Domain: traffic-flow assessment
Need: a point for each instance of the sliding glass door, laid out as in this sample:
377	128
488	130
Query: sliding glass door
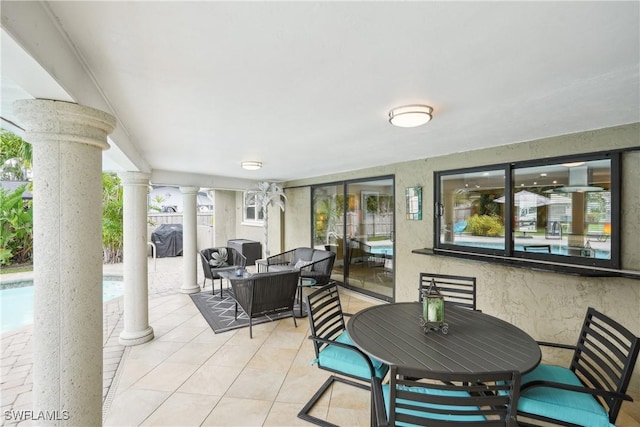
355	219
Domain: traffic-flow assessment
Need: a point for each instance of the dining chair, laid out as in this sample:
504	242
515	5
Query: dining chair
335	352
592	389
421	397
458	290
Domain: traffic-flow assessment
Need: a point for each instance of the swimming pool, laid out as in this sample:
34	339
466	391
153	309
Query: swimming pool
16	300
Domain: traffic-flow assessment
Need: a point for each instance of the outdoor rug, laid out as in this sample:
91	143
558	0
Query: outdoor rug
220	313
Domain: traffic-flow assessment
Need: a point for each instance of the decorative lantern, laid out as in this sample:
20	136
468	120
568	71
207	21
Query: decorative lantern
433	309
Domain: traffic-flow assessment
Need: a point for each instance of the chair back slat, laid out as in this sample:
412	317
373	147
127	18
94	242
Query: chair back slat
422	397
605	356
326	319
458	290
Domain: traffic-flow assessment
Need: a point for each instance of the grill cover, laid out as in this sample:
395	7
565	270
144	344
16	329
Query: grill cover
168	240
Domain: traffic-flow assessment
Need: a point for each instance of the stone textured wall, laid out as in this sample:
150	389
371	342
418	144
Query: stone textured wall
547	305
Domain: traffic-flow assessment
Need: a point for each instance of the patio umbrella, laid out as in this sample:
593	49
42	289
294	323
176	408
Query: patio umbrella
527	198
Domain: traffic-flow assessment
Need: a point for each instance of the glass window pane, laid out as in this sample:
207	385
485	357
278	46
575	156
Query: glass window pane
472	209
563	209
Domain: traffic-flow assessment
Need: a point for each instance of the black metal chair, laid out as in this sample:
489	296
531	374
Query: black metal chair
215	260
266	293
458	290
592	389
421	397
335	352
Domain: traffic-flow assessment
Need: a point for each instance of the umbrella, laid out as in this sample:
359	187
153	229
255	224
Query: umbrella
527	198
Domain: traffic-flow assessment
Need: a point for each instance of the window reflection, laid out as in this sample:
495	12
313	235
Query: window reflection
471	212
564	209
547	210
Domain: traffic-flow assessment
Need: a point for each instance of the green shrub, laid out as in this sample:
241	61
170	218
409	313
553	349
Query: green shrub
485	225
112	228
16	227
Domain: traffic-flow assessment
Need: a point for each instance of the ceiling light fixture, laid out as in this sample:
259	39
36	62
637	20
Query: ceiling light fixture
410	116
251	166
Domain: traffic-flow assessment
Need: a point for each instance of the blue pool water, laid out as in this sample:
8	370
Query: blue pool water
555	249
17	302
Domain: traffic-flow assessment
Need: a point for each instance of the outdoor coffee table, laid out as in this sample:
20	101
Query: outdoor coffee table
299	310
476	342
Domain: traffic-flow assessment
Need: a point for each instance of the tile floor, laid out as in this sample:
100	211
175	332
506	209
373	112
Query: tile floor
188	375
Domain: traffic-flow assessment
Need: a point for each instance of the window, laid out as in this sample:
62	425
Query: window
562	210
251	213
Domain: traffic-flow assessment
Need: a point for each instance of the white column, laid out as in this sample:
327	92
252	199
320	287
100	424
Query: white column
68	140
189	240
136	301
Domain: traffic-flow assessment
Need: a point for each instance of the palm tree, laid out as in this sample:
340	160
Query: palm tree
264	195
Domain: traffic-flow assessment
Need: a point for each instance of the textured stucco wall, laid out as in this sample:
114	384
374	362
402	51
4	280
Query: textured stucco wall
547	305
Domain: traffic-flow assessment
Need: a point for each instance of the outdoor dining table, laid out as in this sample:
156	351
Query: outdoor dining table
476	342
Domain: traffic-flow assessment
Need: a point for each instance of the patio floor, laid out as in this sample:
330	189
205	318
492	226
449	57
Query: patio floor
188	375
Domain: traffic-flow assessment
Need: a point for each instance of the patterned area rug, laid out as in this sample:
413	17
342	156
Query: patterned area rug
220	313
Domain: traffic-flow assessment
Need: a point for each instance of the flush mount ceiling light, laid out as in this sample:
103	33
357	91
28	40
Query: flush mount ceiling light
251	166
410	116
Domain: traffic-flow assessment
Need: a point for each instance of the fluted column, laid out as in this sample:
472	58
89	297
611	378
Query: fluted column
68	140
189	240
136	294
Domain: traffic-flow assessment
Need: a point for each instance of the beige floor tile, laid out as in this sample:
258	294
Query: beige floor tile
133	370
349	417
134	406
275	359
154	351
232	355
257	384
260	334
166	377
183	333
194	353
285	414
231	411
182	409
282	338
301	383
208	336
210	379
349	397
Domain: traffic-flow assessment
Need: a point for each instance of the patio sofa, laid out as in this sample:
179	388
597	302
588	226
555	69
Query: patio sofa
312	263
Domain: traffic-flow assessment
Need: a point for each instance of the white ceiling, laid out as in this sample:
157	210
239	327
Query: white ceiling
305	87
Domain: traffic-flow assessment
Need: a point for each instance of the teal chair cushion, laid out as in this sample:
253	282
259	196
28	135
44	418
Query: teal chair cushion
569	406
458	418
348	361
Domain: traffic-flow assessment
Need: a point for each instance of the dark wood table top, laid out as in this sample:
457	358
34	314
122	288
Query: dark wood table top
476	342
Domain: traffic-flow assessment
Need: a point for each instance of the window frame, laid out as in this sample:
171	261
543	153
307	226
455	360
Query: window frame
255	221
538	260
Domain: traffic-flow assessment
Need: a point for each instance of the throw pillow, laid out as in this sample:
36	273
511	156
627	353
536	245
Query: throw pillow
301	264
219	259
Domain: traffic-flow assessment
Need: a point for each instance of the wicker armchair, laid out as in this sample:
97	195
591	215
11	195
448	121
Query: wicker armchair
266	293
214	260
312	263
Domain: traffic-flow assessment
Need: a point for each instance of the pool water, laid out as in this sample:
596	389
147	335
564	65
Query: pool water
17	303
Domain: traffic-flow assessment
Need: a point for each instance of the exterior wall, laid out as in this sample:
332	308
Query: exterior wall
549	306
297	228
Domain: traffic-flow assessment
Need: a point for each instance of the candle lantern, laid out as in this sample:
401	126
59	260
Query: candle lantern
433	309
